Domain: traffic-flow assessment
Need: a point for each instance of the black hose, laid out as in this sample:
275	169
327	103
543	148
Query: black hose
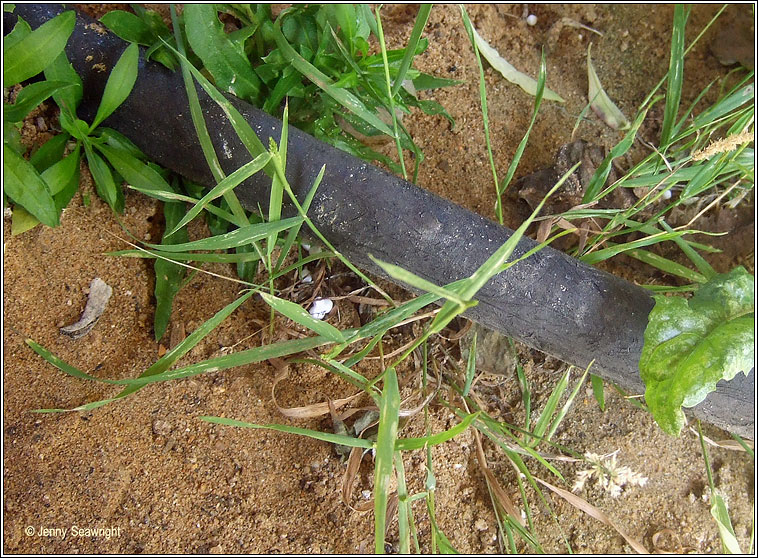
549	301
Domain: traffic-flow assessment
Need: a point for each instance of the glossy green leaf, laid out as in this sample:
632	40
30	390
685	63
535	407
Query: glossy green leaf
22	221
105	185
692	344
135	172
19	31
225	61
49	153
62	178
69	98
32	54
119	84
129	27
24	185
31	96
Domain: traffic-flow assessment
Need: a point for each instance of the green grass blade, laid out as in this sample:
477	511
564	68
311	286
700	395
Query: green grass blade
485	113
32	54
232	181
522	144
243	235
543	422
666	265
410	50
168	276
385	451
299	315
24	185
240	217
315	434
600	255
404	513
435	439
470	367
119	84
598	390
703	266
567	405
289	240
601	174
409	278
390	96
159	367
675	74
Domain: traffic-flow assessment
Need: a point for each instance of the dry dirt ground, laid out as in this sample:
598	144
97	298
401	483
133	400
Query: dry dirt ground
169	483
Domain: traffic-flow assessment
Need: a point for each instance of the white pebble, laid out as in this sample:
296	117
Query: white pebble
666	195
320	308
531	20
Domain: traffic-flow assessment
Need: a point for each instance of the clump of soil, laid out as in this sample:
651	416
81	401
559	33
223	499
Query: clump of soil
165	482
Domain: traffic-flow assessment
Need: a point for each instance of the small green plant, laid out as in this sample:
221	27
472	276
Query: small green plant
692	344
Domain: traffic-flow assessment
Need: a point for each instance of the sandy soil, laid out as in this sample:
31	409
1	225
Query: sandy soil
169	483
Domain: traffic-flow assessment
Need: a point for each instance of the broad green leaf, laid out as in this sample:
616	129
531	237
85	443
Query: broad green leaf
226	62
37	50
24	185
19	31
342	96
69	98
22	221
62	178
135	172
49	153
105	186
299	315
119	84
129	27
31	96
598	390
692	344
168	275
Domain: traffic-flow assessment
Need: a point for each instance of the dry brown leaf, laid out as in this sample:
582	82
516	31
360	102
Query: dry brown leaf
589	509
501	496
307	411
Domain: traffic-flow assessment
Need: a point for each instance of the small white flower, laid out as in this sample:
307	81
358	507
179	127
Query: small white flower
611	476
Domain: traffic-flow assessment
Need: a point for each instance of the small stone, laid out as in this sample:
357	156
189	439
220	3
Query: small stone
161	427
531	20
